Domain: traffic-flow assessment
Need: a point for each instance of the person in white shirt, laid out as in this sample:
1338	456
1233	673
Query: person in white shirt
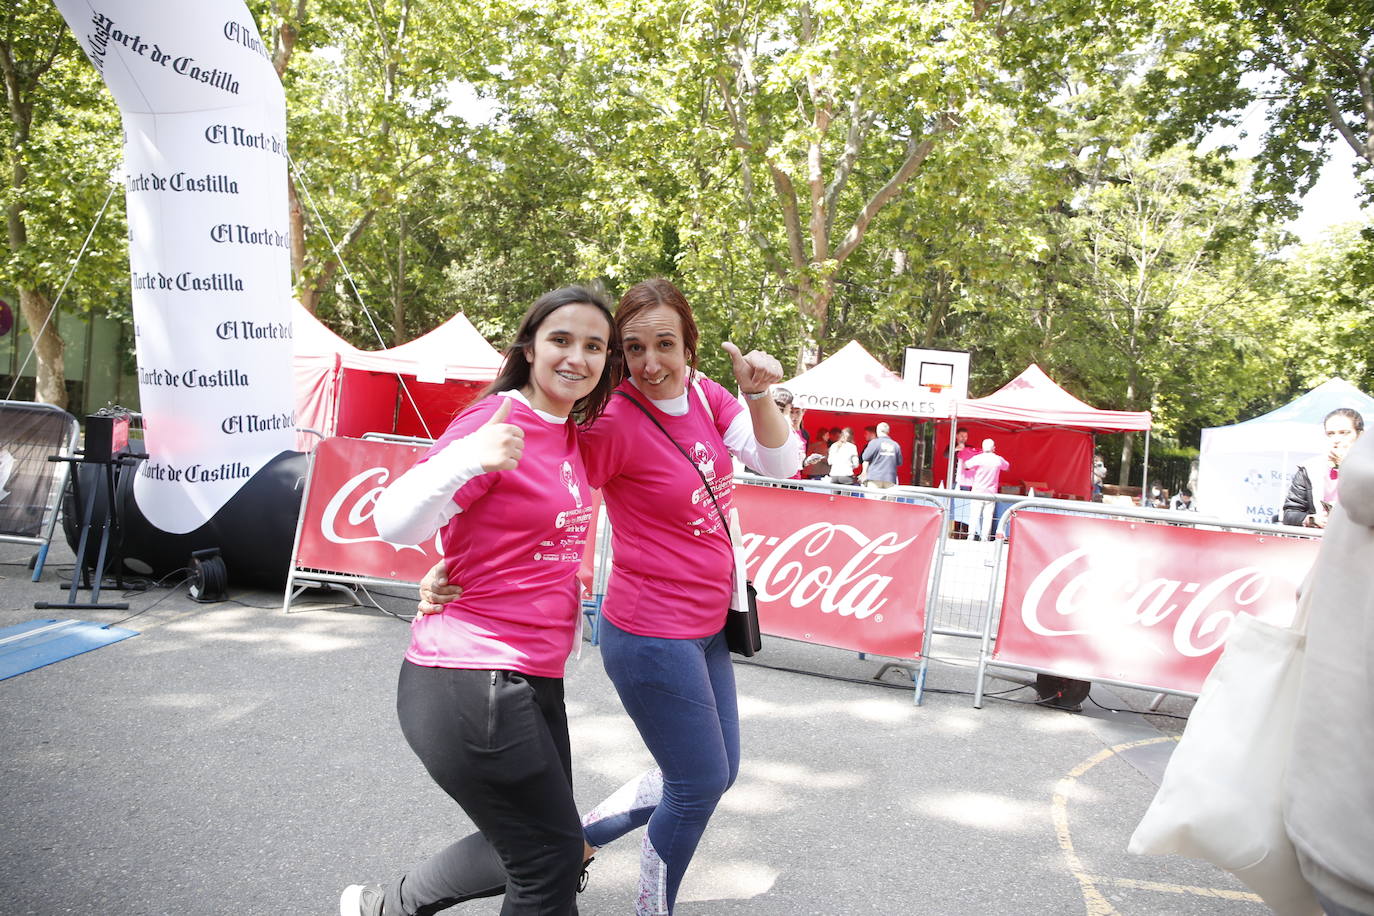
844	459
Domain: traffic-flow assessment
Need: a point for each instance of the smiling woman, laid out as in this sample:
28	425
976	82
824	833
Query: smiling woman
480	697
567	358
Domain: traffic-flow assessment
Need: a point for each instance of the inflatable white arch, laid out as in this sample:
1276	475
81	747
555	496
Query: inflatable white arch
209	245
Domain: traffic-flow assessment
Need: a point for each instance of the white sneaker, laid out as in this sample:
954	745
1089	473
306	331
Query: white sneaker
361	900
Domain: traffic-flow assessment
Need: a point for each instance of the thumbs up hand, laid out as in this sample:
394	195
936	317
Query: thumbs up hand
755	371
499	444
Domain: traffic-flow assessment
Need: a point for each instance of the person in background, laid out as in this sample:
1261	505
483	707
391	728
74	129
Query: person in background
988	467
1099	476
1183	501
882	457
816	465
1328	795
783	399
1156	499
963	480
844	459
1313	490
870	433
480	694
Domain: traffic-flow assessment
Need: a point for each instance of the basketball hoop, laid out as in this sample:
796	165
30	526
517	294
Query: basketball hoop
933	388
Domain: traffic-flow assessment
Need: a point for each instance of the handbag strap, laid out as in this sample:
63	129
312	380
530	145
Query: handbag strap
725	524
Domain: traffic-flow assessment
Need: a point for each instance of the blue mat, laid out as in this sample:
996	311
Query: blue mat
26	646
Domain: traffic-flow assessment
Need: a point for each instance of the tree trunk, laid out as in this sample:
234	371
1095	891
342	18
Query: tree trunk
1128	439
398	303
48	348
296	218
33	305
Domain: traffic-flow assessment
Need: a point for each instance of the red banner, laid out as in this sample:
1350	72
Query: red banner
1147	604
337	530
839	571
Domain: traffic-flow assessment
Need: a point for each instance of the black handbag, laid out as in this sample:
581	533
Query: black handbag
742	633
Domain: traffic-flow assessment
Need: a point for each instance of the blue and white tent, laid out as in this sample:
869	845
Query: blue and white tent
1244	470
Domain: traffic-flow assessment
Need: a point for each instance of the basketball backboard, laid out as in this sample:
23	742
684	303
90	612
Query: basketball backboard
942	372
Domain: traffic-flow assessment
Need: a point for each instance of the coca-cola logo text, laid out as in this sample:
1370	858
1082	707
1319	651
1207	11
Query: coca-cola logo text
853	589
357	502
1069	598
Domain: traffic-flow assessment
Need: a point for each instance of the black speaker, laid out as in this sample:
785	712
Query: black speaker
107	434
1062	692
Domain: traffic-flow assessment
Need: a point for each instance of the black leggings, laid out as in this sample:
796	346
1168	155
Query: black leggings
497	742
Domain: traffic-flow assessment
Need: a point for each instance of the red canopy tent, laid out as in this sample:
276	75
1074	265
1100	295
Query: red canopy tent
1042	430
344	391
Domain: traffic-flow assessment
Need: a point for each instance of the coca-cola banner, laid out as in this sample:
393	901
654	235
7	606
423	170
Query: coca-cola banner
1106	599
337	531
839	571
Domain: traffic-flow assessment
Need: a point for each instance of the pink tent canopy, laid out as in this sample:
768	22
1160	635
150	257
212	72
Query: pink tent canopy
1043	431
344	391
1032	399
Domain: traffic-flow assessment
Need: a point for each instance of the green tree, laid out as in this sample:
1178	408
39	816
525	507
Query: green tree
1309	62
372	133
1167	242
1328	312
61	146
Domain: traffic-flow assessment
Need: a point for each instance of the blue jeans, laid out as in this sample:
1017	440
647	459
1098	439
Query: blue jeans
680	693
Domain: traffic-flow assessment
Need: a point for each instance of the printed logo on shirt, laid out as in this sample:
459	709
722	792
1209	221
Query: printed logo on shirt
569	481
704	457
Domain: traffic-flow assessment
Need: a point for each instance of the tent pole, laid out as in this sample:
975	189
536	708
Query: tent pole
1145	471
950	482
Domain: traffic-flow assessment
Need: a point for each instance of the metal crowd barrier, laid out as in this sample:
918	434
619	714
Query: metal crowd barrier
31	485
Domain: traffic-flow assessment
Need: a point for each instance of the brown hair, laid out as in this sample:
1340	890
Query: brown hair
515	369
650	294
1356	421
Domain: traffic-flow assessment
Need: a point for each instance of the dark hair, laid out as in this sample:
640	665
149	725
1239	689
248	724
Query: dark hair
650	294
1350	414
515	369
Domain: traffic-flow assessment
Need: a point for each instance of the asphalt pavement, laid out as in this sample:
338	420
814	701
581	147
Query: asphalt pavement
235	759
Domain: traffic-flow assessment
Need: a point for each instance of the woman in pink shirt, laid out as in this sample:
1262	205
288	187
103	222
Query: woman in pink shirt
480	696
661	453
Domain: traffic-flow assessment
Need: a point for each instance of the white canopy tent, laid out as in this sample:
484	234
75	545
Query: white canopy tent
1244	470
852	381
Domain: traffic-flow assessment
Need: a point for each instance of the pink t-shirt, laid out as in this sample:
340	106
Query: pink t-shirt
987	471
965	472
673	564
515	549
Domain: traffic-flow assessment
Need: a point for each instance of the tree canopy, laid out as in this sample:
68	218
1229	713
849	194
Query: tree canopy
1022	181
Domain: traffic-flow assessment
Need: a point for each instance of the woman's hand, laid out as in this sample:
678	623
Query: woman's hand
497	444
754	372
435	591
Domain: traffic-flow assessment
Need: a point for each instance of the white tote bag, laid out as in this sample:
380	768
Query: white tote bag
1221	798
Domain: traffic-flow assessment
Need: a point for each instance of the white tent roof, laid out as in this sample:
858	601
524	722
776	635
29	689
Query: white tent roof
453	350
852	381
1296	427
